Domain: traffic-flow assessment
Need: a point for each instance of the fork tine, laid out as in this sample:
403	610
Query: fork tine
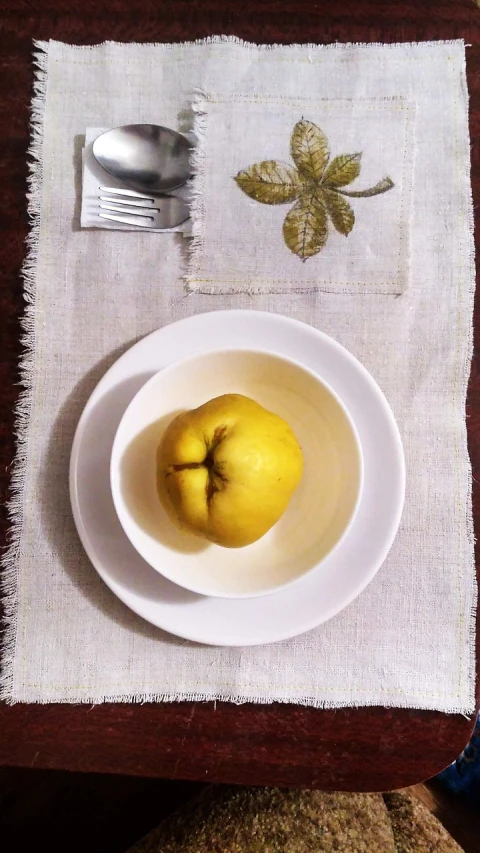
129	193
132	202
125	208
169	212
128	220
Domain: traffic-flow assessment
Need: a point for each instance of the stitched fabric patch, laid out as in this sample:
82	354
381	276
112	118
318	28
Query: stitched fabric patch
297	194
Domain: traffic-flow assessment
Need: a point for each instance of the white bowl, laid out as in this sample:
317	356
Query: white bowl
319	514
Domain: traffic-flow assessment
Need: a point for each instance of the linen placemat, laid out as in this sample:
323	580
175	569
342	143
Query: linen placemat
408	640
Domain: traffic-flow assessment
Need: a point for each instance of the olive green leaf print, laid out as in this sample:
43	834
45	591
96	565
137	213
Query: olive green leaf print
309	149
271	182
305	229
340	212
314	184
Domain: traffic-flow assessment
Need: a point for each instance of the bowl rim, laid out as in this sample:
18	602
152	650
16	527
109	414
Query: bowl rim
120	506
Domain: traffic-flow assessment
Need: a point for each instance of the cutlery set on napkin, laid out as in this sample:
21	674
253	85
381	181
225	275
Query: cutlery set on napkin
130	175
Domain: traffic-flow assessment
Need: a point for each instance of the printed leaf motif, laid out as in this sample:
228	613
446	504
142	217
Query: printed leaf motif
270	182
343	170
315	186
305	229
382	187
309	149
340	212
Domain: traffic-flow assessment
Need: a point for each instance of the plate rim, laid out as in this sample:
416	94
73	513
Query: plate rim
390	534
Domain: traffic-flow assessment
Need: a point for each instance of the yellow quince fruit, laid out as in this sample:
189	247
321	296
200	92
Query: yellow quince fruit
227	470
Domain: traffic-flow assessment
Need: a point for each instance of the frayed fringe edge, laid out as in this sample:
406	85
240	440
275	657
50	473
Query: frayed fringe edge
447	707
470	272
197	200
222	39
15	507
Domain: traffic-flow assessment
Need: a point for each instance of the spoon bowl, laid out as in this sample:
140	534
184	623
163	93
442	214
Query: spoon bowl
146	157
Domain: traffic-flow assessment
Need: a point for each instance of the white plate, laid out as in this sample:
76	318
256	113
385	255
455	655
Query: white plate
313	599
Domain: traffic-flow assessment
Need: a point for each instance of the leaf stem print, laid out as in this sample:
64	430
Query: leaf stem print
382	187
314	184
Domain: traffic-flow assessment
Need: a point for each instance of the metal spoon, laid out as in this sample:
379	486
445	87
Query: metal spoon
146	157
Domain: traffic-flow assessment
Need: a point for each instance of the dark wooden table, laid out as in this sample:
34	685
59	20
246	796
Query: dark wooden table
365	749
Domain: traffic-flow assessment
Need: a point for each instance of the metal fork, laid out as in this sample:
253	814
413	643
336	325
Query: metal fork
143	211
